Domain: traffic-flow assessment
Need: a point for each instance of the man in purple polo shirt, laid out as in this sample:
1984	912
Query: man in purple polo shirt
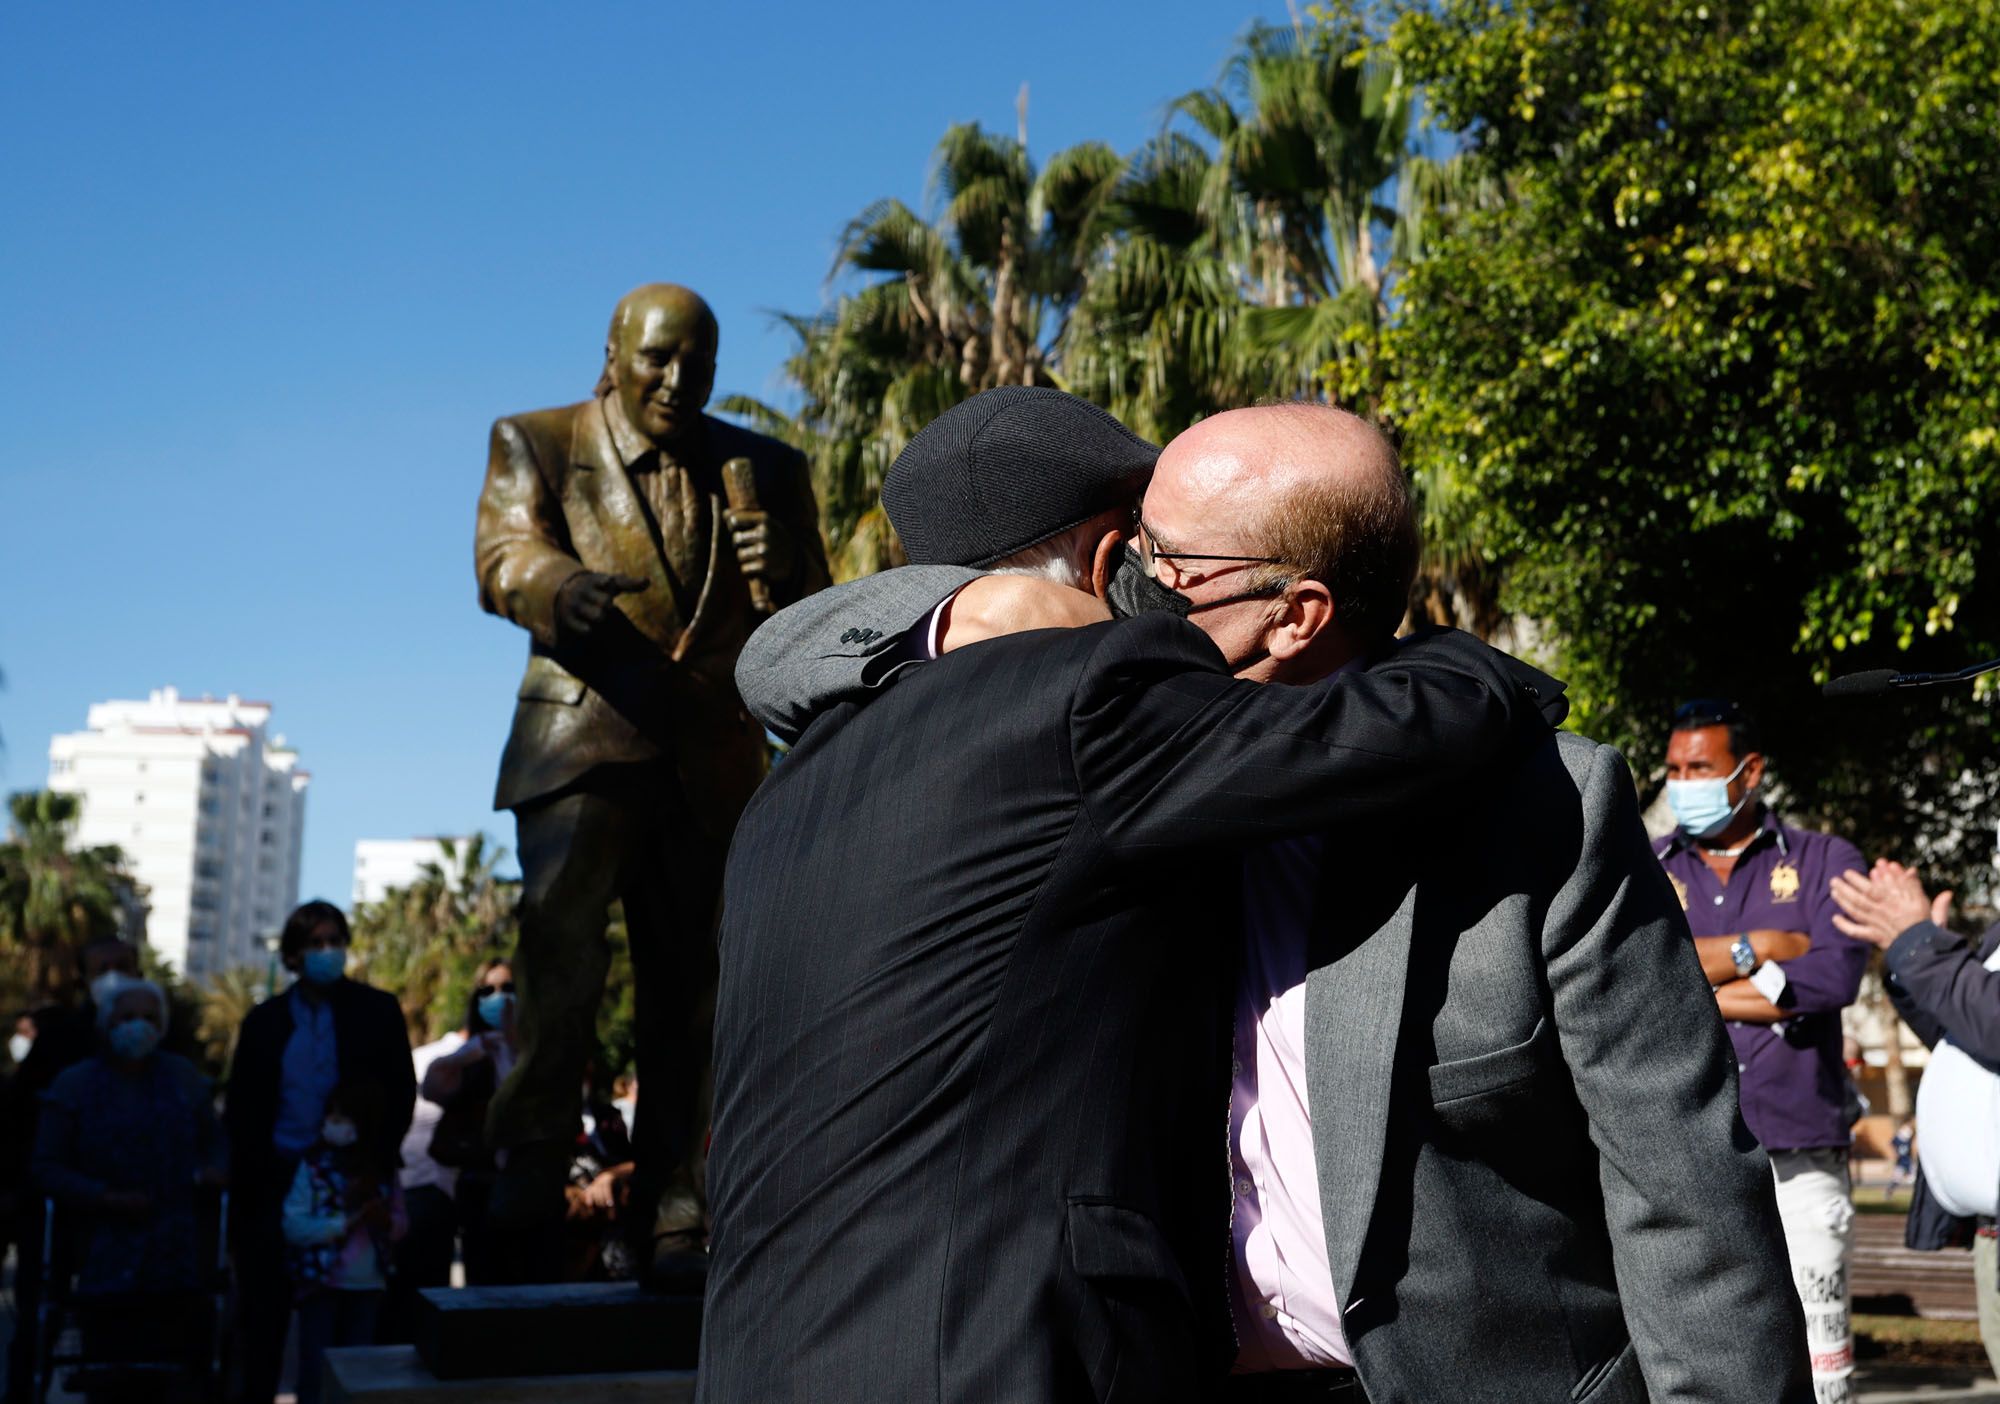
1758	898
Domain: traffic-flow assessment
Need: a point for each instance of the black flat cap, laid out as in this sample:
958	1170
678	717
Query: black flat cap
1009	468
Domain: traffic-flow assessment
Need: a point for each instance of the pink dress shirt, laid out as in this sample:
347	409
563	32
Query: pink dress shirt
1287	1314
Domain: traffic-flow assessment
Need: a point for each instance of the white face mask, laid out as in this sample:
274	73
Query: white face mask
338	1131
18	1046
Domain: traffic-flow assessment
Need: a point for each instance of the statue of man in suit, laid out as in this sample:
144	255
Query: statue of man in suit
604	532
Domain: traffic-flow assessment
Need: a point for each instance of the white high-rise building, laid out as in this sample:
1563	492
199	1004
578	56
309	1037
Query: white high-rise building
209	807
380	864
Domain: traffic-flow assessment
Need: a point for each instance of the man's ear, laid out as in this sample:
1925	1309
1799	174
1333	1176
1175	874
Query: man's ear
1308	614
1753	770
1104	563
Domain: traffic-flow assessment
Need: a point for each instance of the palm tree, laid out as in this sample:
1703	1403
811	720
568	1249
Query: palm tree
1311	130
423	941
1153	336
945	308
224	1002
54	898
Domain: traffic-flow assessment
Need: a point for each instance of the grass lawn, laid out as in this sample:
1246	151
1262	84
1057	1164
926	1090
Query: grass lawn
1912	1340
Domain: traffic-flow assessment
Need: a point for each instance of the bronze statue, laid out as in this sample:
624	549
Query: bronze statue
604	531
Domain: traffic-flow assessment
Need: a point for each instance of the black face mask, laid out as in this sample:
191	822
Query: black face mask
1132	591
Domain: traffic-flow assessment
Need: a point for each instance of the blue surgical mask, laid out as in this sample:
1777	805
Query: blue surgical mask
325	965
19	1046
1702	807
493	1009
135	1038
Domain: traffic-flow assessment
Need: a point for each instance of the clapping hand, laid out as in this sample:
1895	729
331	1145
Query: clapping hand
1885	904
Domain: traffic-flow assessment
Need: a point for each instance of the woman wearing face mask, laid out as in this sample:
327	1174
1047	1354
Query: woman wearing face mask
447	1170
124	1140
342	1217
462	1084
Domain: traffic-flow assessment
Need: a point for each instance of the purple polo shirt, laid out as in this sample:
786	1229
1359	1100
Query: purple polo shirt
1792	1079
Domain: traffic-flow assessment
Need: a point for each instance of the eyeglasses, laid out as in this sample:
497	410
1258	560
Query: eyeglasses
1706	711
504	987
1151	555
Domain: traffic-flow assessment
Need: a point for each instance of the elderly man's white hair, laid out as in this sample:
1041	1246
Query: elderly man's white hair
126	985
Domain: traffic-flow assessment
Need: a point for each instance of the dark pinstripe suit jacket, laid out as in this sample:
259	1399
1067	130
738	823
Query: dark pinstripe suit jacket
975	935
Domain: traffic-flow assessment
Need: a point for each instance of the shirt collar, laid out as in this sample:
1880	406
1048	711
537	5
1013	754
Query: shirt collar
632	446
635	450
1767	824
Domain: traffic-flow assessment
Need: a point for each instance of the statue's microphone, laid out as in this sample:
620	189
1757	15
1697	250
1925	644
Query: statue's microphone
1885	679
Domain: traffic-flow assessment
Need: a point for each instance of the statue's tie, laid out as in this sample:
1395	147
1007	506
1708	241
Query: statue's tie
679	512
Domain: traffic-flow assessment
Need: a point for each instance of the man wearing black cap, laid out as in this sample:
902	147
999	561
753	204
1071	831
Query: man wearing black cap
967	1035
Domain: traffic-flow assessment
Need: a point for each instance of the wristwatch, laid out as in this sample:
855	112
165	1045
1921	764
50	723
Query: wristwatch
1741	952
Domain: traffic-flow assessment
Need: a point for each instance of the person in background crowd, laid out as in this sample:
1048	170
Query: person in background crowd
1903	1145
1757	896
22	1041
457	1075
1948	992
125	1139
342	1216
600	1239
292	1051
64	1036
625	1096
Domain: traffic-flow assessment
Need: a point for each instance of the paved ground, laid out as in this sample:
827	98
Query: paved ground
1879	1384
1905	1384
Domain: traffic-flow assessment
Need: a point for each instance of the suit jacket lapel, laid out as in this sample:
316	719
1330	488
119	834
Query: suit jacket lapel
614	519
1354	1015
702	611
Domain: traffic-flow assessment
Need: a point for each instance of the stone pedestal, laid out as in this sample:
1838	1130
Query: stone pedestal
395	1375
585	1328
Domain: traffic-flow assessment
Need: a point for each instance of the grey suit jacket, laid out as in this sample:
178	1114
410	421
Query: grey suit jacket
1535	1181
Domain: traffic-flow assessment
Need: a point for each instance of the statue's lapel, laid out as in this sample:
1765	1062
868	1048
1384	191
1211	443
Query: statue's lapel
704	605
610	532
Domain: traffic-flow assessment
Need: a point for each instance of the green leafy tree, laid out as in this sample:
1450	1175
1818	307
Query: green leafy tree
424	941
221	1006
1721	372
54	897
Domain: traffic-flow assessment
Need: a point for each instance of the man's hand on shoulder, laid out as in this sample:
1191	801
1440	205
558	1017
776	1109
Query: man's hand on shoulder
996	605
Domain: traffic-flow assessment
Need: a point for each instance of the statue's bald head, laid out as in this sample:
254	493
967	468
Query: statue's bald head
1318	489
659	358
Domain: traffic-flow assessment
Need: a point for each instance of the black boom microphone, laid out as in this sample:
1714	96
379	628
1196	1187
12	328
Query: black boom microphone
1884	679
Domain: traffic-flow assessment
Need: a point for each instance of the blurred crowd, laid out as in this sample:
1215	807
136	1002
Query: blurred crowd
168	1238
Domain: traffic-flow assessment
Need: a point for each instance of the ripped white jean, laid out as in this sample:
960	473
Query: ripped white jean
1818	1214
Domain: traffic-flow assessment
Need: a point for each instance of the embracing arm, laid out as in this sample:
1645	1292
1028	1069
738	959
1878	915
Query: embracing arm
1171	751
1702	1274
836	645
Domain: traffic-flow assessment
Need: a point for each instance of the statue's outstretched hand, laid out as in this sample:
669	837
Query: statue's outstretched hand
585	599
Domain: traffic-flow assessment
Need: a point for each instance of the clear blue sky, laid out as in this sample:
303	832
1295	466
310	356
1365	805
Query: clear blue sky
267	273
